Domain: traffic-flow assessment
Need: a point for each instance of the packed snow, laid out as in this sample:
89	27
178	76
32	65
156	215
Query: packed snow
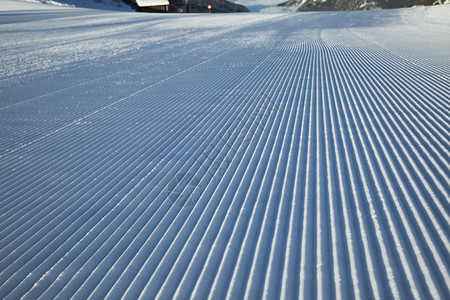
92	4
300	155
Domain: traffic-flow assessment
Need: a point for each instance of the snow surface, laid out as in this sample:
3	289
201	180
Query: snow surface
92	4
224	156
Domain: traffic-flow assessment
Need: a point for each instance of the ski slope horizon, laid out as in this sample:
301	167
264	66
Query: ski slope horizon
287	155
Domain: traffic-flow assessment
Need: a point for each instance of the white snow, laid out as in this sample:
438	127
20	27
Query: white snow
91	4
300	155
144	3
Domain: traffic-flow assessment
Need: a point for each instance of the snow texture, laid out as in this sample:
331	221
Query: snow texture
92	4
224	156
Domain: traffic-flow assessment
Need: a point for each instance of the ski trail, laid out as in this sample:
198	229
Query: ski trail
286	156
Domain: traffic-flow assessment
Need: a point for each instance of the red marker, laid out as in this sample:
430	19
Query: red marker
209	8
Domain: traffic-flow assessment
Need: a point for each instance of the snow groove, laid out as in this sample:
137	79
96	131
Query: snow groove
274	158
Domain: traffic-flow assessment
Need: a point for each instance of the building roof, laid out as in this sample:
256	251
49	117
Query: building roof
146	3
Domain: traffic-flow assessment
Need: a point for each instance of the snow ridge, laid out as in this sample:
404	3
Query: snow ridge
283	156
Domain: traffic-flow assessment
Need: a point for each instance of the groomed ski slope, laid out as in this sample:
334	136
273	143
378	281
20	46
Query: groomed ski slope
224	156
